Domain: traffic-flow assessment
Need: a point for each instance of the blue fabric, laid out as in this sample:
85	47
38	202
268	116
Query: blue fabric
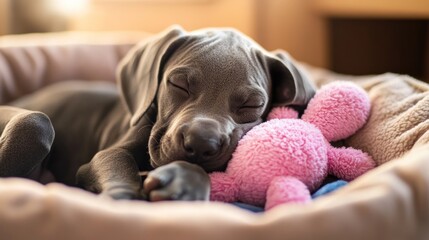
325	189
329	188
248	207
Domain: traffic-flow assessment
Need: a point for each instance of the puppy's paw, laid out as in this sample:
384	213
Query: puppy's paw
177	181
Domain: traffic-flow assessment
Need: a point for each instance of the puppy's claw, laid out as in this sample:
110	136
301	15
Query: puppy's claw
150	184
156	196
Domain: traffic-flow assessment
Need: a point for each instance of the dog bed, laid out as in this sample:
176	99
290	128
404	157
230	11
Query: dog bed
389	202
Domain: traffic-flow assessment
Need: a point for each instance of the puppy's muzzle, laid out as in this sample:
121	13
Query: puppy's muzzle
202	140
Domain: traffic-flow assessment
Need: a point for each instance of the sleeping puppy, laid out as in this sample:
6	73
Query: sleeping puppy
184	101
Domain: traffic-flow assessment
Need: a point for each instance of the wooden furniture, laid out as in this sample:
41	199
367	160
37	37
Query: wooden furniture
371	37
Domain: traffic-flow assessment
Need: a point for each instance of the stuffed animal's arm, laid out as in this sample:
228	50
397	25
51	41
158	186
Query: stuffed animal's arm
223	187
348	163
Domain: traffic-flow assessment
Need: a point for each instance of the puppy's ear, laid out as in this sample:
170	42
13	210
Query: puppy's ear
139	72
290	85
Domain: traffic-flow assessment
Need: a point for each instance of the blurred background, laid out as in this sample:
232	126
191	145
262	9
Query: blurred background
347	36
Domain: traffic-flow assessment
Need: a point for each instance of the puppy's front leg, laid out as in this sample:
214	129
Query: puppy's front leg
112	172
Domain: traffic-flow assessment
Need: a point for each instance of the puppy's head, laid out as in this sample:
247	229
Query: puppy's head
209	87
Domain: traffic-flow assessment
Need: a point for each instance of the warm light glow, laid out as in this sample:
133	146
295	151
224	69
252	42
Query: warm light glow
69	7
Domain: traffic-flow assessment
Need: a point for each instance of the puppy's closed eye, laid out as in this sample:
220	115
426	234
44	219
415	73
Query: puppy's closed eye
180	82
251	110
252	104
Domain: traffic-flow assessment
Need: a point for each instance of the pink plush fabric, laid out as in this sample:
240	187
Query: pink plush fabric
288	189
282	113
348	163
338	111
223	187
260	157
282	160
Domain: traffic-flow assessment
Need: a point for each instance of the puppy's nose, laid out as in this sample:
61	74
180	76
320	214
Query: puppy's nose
202	141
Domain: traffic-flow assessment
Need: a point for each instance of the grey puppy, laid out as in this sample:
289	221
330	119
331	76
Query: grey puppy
184	101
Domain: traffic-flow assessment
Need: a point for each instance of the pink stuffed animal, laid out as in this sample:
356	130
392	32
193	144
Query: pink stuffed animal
285	158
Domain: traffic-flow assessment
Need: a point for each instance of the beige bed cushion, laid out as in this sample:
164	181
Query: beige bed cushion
31	61
390	202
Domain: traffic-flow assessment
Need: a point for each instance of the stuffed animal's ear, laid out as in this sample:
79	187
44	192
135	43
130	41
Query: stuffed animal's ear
290	84
139	73
282	113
